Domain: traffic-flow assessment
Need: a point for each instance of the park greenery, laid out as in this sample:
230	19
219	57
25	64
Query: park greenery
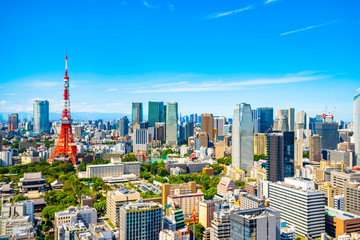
149	194
257	157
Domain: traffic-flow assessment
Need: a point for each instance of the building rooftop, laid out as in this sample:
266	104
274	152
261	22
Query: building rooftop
140	206
32	177
333	212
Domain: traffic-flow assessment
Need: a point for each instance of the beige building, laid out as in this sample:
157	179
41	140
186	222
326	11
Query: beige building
187	202
330	192
236	173
339	178
220	149
298	154
206	211
260	143
314	148
168	189
352	197
114	200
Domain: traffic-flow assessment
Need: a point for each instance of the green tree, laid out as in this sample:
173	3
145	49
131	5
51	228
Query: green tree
18	198
130	157
199	229
257	157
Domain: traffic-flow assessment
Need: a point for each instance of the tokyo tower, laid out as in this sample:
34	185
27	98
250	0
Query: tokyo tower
66	144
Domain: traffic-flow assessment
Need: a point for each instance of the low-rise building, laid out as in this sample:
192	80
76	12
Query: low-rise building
338	222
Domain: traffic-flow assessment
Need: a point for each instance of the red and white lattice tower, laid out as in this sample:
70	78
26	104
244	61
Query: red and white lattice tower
66	144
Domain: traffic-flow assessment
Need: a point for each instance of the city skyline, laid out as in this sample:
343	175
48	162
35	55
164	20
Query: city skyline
196	55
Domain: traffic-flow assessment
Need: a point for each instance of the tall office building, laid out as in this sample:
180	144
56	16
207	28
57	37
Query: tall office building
258	223
155	112
352	199
141	221
315	148
137	112
301	120
260	143
275	157
171	123
159	132
207	125
41	116
328	131
242	137
123	126
13	122
77	131
289	139
256	120
219	123
300	205
298	154
189	129
266	118
357	123
286	116
141	139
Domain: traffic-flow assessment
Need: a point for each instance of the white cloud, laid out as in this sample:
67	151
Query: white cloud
149	5
9	94
310	27
171	7
3	102
217	15
358	89
112	90
270	1
234	83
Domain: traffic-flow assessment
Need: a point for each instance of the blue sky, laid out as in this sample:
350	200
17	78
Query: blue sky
206	55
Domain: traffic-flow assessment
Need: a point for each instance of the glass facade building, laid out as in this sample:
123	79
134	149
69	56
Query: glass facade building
357	123
41	116
155	113
137	112
265	118
123	126
171	123
242	137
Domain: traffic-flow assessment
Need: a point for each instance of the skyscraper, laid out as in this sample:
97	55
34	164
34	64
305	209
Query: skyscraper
141	139
266	118
207	125
189	129
41	116
275	157
301	120
137	112
242	137
255	115
171	123
155	112
219	123
357	123
123	126
289	139
13	122
287	115
315	148
328	131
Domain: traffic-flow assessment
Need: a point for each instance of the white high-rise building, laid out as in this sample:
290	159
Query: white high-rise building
6	158
242	137
300	205
357	123
141	139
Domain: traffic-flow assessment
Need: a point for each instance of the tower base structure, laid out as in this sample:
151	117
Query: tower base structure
65	145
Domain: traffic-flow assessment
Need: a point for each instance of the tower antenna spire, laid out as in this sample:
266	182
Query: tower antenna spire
66	64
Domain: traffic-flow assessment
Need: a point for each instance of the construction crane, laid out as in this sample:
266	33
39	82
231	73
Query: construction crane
194	214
